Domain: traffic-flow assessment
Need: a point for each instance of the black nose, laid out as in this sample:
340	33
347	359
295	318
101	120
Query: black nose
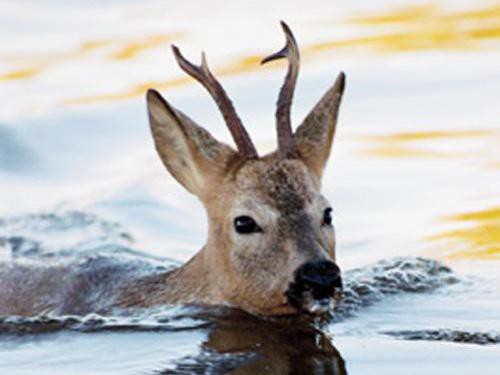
321	278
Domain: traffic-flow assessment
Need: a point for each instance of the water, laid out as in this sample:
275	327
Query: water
414	179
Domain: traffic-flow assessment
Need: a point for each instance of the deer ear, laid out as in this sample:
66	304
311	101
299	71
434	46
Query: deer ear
314	136
190	153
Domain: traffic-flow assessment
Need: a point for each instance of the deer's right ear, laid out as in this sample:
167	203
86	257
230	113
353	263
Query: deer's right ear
190	153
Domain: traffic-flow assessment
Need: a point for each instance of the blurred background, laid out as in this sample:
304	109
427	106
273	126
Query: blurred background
415	168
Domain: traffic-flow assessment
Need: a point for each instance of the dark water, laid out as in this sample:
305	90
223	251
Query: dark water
480	338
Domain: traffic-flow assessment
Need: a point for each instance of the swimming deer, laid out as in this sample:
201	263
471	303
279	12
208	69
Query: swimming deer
271	240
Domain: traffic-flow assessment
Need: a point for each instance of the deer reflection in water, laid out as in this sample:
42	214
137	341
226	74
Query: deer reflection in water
239	343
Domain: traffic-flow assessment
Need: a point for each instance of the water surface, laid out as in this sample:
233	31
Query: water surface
414	178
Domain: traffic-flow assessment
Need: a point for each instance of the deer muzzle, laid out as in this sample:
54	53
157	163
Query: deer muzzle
316	288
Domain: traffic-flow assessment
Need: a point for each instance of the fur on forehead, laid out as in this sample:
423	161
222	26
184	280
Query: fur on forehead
286	184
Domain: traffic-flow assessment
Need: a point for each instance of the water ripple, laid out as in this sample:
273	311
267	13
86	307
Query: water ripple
457	336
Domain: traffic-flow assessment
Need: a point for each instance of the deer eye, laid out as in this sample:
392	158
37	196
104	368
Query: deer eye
327	216
246	225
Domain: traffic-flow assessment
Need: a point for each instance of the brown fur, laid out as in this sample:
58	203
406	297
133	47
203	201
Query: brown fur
280	191
249	271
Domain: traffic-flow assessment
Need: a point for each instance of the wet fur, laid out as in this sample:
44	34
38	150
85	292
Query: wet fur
251	272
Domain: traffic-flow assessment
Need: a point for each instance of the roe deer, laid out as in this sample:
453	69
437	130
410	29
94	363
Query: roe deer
271	241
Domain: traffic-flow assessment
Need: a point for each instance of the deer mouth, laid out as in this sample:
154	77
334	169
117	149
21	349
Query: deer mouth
305	300
316	289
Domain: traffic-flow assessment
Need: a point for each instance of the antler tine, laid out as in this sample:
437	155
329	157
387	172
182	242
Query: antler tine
203	75
286	142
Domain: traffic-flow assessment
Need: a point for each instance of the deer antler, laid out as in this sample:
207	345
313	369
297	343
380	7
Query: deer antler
286	142
203	75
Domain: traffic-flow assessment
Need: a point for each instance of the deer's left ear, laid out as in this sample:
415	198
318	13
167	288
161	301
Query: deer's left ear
314	137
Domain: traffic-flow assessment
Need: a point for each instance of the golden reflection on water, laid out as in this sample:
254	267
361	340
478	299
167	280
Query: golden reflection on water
119	50
426	27
479	239
133	49
410	28
241	65
21	73
426	12
477	233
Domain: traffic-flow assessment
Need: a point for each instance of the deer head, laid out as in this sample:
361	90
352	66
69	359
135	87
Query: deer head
271	241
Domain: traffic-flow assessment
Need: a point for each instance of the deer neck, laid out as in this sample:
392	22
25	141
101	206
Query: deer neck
199	280
188	283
